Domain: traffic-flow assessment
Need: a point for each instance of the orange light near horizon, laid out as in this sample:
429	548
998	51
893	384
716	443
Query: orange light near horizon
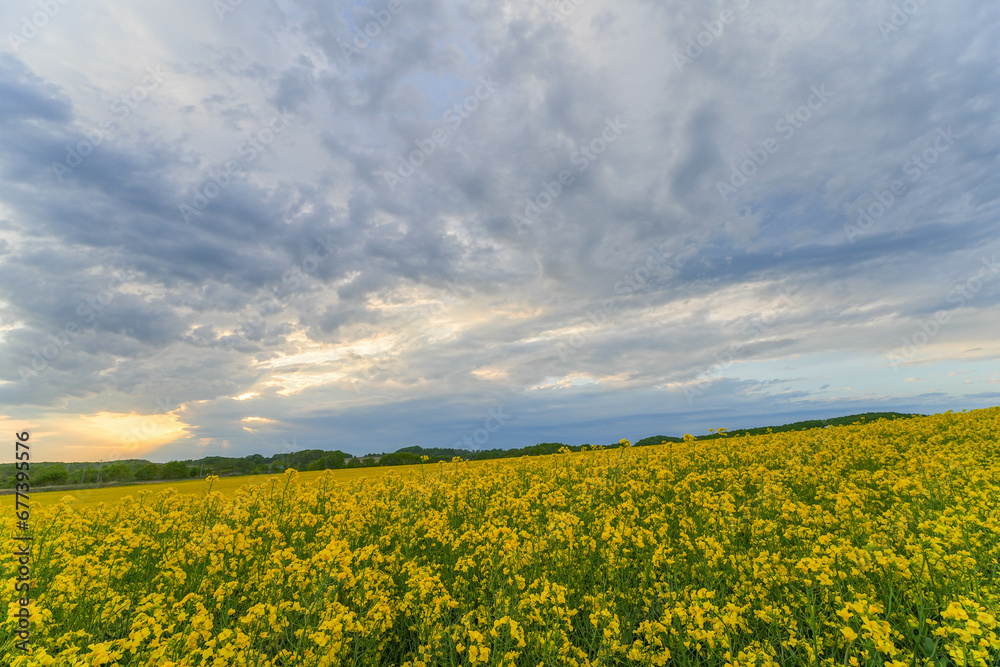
130	432
104	436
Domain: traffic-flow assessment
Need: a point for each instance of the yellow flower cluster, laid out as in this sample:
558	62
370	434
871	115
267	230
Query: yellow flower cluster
874	544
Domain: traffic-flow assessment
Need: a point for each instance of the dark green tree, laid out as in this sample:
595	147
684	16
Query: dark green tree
117	472
398	459
147	471
54	475
174	470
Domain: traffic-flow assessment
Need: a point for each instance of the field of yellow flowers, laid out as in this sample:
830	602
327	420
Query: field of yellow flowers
874	544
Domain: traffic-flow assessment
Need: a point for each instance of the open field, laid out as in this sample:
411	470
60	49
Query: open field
225	485
875	544
81	497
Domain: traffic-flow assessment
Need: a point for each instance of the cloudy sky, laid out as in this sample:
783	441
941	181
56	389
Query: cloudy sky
238	226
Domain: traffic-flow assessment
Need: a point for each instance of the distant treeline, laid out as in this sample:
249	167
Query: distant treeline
65	474
119	472
796	426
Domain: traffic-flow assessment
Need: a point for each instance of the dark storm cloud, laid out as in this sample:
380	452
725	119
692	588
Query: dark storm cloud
24	95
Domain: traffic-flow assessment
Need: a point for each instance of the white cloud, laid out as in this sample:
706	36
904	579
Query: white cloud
309	286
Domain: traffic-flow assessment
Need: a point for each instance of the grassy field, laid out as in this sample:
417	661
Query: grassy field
875	544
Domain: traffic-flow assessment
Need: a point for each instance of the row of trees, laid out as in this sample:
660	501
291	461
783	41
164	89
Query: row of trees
61	474
794	426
